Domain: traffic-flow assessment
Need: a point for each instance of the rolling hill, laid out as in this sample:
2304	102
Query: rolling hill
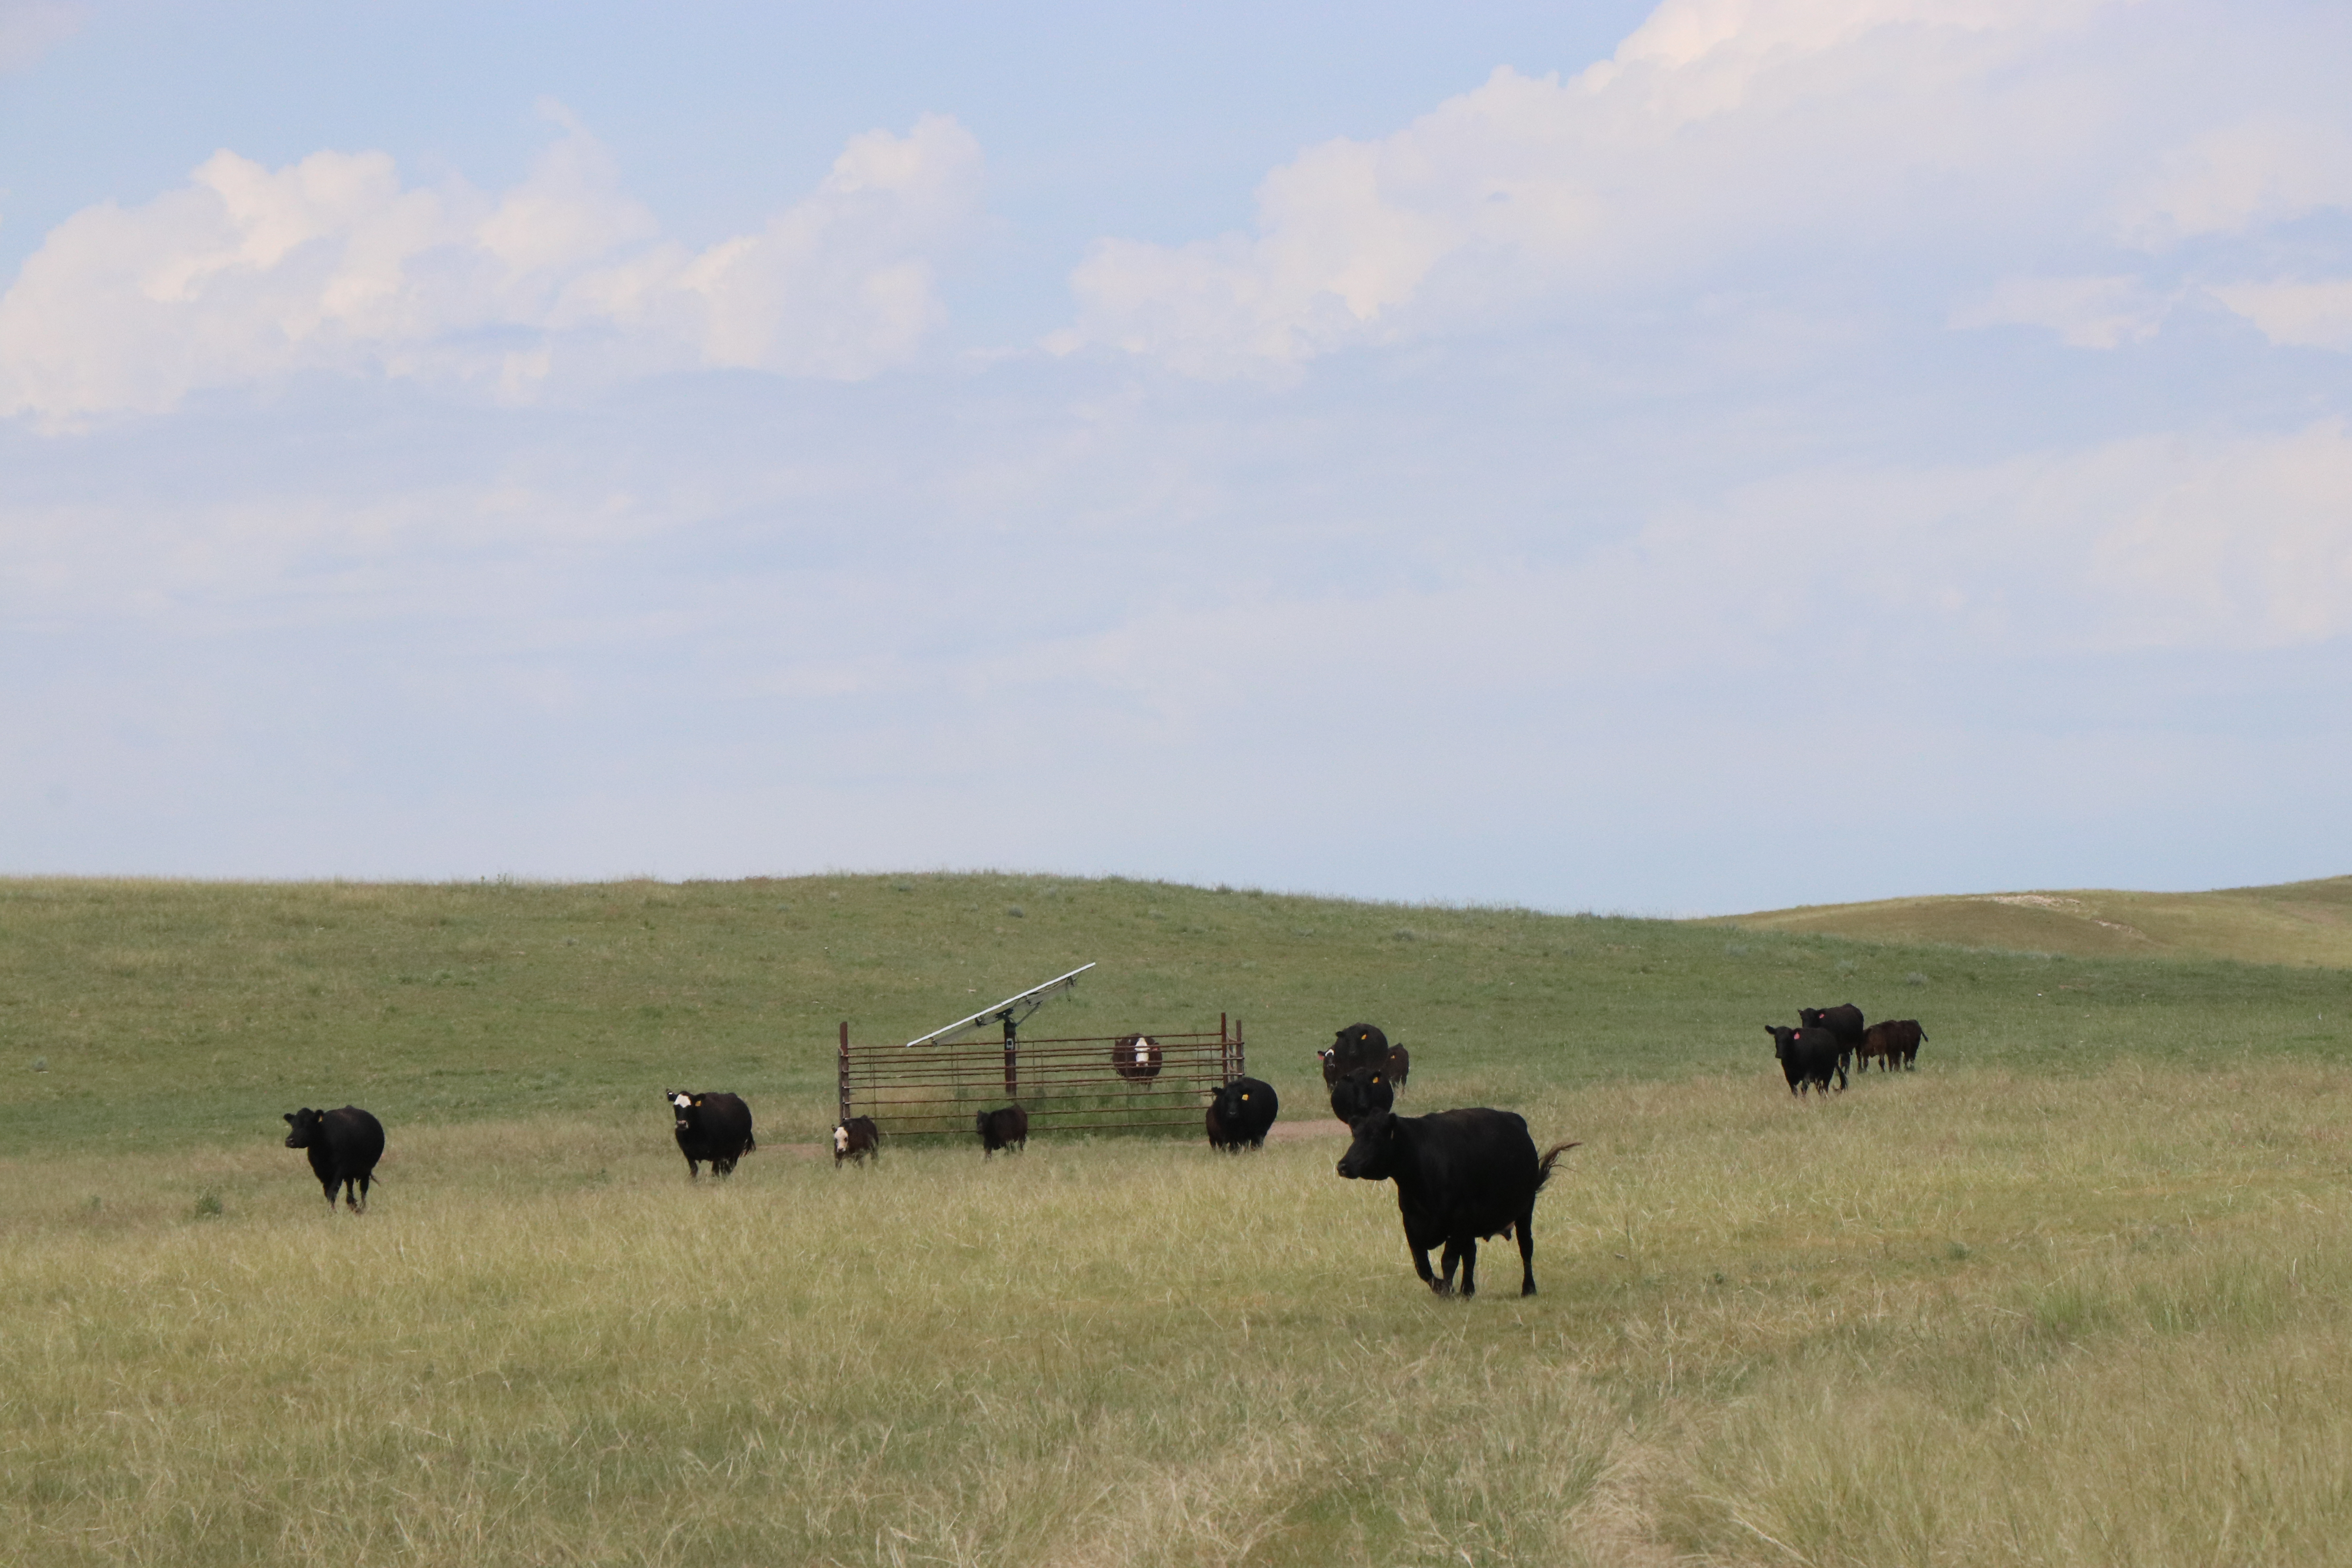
2293	923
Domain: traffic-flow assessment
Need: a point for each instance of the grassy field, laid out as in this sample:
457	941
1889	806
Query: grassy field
2076	1291
2297	923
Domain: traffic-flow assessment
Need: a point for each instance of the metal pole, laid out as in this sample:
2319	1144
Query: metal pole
1241	1051
845	1069
1012	1059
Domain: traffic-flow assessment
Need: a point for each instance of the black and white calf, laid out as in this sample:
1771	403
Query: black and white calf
856	1138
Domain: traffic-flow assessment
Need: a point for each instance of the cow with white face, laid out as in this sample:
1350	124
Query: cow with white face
856	1138
714	1126
1136	1057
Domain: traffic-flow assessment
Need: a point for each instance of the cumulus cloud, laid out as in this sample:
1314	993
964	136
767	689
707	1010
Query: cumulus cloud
1719	124
249	273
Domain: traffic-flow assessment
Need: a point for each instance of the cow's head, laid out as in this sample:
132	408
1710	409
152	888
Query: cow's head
1780	1034
841	1139
306	1124
682	1105
1371	1157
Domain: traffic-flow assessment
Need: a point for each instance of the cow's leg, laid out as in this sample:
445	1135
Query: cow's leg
1528	1251
1469	1266
1420	1267
1448	1262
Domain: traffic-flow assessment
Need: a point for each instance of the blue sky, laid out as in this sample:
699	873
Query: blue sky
1677	458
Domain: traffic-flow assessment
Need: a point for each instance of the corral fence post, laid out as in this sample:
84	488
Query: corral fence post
845	1069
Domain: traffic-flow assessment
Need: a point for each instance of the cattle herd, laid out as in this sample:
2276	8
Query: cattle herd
1460	1176
1826	1039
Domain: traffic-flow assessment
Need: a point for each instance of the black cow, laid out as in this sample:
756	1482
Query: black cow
1808	1056
854	1139
1358	1046
1903	1037
1136	1057
1845	1021
1398	1065
1240	1113
344	1146
1002	1129
1330	1060
1360	1093
1460	1175
714	1126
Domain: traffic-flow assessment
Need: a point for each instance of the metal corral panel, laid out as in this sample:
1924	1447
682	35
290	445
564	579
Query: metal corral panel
1111	1083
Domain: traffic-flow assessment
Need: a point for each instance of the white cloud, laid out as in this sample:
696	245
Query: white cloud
249	273
2245	543
2295	314
1720	125
2085	312
2239	177
2171	542
30	28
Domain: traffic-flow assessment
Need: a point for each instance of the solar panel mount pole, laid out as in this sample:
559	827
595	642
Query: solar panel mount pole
1011	1057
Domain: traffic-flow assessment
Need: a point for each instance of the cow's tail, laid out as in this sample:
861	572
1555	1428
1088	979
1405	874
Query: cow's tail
1543	1166
749	1143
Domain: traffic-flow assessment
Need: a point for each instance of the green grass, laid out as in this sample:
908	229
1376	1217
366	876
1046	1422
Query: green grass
2075	1291
183	1016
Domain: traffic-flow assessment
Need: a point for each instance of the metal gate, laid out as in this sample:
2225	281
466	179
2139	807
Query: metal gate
1109	1083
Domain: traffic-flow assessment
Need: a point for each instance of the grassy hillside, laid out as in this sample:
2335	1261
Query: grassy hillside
177	1014
2074	1292
2296	922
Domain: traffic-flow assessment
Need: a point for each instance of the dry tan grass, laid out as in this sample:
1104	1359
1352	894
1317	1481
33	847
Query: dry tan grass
1952	1318
2295	922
